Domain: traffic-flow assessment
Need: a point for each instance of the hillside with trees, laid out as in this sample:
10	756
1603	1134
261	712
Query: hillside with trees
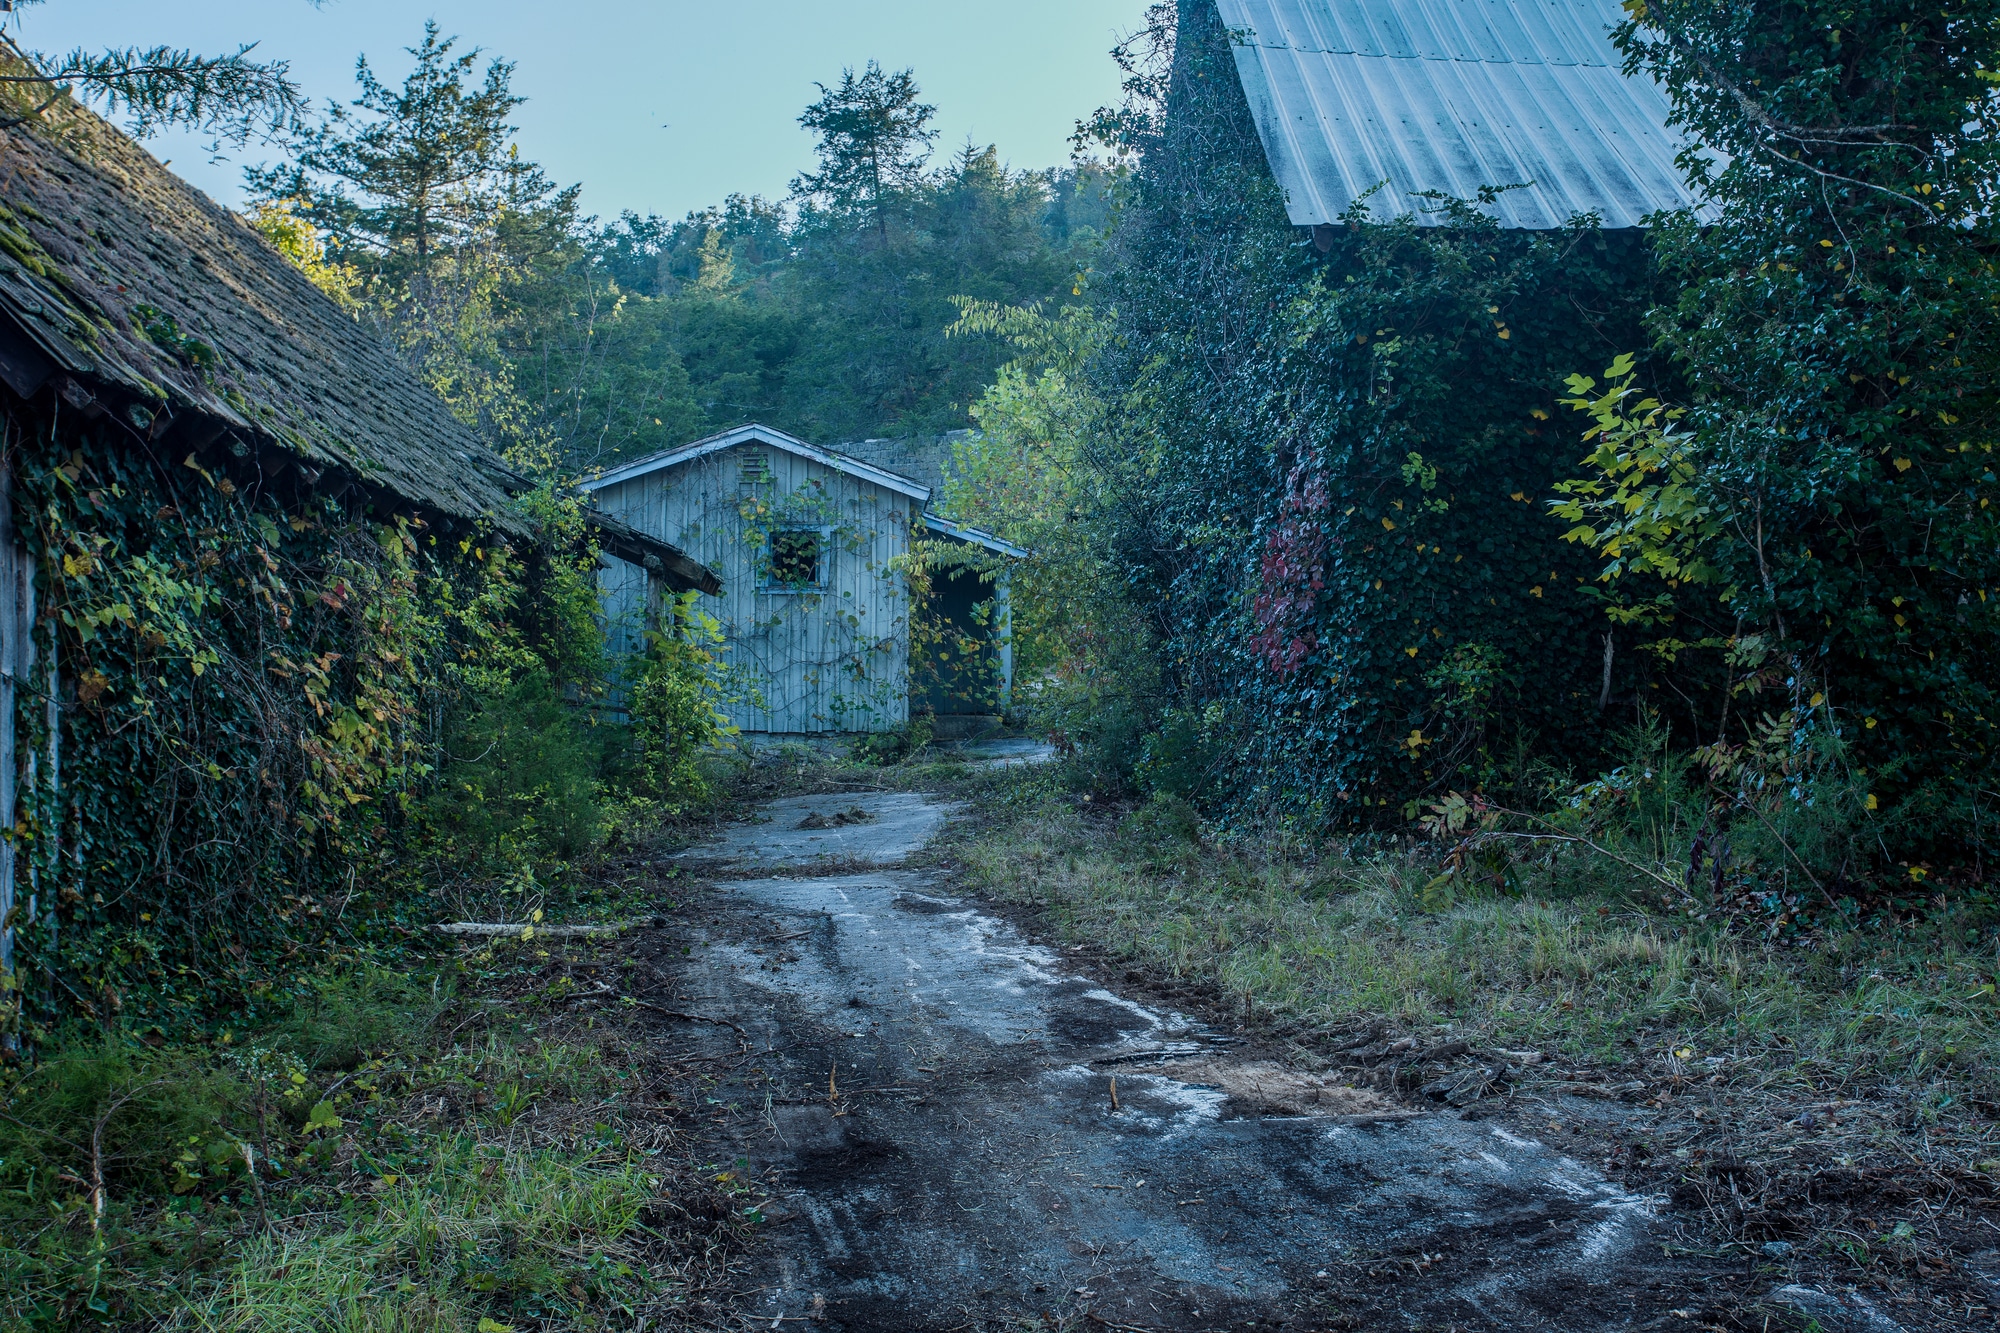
578	342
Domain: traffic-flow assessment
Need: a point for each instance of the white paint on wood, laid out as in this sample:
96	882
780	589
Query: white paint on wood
833	659
17	619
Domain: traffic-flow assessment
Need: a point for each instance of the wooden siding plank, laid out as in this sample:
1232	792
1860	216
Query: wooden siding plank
836	660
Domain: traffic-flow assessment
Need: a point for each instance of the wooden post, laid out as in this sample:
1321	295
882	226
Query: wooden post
1003	629
10	656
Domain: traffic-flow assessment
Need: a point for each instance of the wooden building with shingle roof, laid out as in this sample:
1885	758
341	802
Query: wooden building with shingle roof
144	322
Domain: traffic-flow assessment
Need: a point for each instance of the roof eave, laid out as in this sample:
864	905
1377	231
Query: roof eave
965	532
729	439
682	572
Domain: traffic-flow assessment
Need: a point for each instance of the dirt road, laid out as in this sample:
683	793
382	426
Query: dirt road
958	1129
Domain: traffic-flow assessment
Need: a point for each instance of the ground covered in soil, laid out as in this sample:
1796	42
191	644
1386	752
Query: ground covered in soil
947	1120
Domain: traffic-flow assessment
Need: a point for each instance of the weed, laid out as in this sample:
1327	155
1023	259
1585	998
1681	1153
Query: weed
896	746
342	1169
1324	937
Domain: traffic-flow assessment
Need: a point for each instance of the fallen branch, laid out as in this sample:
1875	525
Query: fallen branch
1492	835
692	1018
527	931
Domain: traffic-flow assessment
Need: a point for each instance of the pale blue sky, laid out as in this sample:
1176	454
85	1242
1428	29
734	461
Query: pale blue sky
726	80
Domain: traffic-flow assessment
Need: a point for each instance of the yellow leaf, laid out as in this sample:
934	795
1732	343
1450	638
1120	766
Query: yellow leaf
1868	723
1522	496
1535	591
1873	804
1411	651
1818	699
1903	465
1388	523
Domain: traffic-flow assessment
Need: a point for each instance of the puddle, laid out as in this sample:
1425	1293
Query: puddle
874	828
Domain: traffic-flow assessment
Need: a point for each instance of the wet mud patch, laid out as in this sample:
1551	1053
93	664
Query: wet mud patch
969	1171
1267	1088
923	905
833	1164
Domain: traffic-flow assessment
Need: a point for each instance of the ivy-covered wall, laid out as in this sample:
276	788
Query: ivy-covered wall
1342	445
251	680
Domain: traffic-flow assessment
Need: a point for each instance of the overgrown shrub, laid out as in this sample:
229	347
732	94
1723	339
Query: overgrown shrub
255	697
249	683
1331	451
1836	331
676	713
895	745
522	783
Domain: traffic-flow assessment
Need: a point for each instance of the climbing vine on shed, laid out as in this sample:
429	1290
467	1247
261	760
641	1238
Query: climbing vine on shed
252	679
1339	441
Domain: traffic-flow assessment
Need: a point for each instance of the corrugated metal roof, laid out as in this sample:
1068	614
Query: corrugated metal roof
1413	96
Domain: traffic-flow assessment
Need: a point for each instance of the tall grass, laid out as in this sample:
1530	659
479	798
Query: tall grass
1323	937
404	1178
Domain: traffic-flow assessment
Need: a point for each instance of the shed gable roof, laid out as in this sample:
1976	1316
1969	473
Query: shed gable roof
129	279
846	463
777	439
1450	96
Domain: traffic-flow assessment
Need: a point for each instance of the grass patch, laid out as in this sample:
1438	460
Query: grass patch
451	1154
1855	1068
1322	937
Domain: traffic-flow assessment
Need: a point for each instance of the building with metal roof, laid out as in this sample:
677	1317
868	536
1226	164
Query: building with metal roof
1394	102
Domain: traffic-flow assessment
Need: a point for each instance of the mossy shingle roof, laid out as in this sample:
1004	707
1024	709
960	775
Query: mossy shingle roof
133	281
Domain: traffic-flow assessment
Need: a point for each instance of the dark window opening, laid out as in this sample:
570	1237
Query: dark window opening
795	558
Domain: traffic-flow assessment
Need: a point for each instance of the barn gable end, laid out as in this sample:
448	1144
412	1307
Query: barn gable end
815	551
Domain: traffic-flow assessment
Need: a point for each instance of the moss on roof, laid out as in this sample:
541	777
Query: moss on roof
131	279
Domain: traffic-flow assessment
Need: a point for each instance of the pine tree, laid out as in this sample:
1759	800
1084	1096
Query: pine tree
405	172
874	139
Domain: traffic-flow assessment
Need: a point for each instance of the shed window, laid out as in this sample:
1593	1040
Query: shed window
794	559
